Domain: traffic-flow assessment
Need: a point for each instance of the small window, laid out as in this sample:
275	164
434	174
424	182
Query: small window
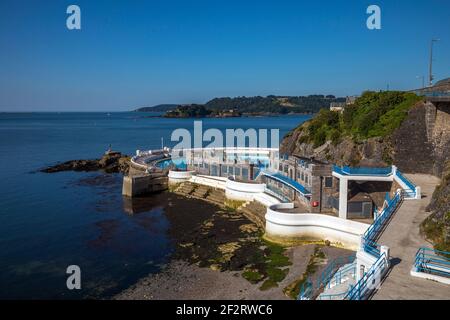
231	170
328	182
237	171
306	179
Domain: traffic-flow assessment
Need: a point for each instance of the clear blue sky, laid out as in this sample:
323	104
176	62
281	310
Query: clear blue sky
141	53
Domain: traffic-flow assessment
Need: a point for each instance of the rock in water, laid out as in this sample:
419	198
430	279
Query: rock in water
111	162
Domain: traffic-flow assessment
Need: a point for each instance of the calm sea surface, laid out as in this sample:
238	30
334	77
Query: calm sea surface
51	221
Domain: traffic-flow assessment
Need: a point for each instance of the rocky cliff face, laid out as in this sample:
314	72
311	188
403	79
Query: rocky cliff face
437	226
420	145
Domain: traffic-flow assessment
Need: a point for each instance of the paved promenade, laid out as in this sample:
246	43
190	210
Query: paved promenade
402	236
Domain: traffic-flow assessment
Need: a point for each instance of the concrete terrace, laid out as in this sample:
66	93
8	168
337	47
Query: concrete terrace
403	237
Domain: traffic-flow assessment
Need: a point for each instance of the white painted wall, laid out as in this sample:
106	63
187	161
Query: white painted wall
243	191
215	182
180	176
313	226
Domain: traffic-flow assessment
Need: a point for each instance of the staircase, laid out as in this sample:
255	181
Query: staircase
185	189
339	284
216	196
256	212
200	191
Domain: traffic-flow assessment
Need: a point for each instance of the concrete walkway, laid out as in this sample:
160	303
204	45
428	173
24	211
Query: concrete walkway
402	236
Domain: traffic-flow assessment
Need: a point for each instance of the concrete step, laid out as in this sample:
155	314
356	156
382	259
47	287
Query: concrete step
185	188
200	192
335	291
216	199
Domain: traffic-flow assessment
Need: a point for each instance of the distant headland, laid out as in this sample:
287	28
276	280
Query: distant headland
247	106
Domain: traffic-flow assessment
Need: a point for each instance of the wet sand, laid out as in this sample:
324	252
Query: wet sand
213	246
182	281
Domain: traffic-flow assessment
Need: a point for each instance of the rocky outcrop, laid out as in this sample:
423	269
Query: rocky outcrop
371	152
420	145
110	162
437	226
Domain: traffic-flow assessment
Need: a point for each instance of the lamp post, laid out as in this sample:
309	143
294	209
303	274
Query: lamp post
431	60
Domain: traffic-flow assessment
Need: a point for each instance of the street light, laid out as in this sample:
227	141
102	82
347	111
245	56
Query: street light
431	59
423	80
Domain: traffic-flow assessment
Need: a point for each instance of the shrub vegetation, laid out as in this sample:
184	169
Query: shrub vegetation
374	114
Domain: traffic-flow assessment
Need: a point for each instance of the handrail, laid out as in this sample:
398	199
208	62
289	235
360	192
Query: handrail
276	194
408	182
362	171
339	276
328	273
432	261
361	289
370	246
306	291
372	232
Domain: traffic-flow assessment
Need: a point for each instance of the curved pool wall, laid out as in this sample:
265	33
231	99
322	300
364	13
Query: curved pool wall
180	176
243	191
286	227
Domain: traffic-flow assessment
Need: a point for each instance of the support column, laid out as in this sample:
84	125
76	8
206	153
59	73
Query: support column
343	197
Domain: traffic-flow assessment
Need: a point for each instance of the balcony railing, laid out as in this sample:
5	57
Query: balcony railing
363	171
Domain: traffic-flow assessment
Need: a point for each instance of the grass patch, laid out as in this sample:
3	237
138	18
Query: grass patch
252	276
374	114
268	284
269	265
233	204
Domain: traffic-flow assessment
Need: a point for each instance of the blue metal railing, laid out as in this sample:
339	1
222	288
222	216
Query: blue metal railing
328	273
275	192
363	171
346	271
373	231
338	169
436	94
375	273
306	291
433	262
411	186
371	247
369	281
